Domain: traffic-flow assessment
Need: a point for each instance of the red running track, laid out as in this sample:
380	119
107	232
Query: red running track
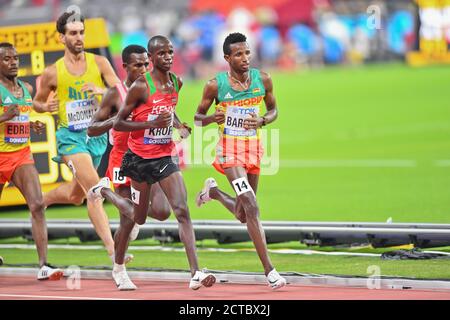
25	288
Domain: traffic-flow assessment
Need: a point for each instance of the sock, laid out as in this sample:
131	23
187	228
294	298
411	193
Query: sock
118	267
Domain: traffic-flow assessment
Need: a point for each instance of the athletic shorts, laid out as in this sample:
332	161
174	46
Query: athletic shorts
148	170
10	161
241	154
73	142
113	171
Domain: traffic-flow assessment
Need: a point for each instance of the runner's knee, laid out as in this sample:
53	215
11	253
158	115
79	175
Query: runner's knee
249	205
160	215
181	212
76	199
160	210
140	216
37	208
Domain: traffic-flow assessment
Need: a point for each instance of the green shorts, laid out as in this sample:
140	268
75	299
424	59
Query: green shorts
72	142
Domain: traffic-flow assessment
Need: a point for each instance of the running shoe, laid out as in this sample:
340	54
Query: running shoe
275	280
203	196
94	193
123	282
49	272
201	279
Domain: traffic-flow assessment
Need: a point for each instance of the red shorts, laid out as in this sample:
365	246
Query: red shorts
243	154
114	164
10	161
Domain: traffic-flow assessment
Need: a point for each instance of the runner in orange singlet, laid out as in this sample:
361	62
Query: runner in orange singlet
239	95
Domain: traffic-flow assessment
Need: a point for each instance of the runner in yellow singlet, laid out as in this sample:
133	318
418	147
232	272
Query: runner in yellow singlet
78	79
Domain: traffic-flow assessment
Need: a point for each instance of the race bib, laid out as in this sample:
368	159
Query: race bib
117	177
234	121
158	135
17	130
79	113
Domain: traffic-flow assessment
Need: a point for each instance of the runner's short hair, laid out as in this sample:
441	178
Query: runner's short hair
129	50
6	45
232	38
66	18
154	40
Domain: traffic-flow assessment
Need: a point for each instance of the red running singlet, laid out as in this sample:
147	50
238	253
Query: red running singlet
154	143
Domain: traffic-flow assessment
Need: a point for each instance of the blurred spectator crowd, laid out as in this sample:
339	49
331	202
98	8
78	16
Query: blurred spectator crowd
286	34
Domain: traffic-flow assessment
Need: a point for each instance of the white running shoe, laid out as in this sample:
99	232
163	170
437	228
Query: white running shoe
203	196
1	260
123	282
48	272
94	193
275	280
200	279
134	232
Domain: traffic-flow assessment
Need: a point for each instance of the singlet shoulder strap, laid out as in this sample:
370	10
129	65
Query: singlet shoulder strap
150	82
175	81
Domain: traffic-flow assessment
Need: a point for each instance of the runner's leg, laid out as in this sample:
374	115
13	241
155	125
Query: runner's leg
87	177
175	190
254	227
66	193
26	179
159	207
140	196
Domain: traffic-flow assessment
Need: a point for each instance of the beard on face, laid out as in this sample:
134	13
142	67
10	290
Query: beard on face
74	48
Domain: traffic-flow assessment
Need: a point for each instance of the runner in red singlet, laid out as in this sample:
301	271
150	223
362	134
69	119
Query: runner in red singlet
152	156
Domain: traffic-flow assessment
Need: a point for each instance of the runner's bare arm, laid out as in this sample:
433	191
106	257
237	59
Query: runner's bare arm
254	121
107	71
210	93
269	99
137	95
183	128
37	125
103	118
47	85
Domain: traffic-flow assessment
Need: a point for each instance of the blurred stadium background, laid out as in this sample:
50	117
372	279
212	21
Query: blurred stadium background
362	88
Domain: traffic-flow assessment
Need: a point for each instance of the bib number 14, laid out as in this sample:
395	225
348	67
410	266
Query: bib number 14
241	186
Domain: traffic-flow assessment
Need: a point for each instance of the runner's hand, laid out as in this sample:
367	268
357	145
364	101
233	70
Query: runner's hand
37	126
253	122
13	111
219	117
52	105
164	120
184	130
92	90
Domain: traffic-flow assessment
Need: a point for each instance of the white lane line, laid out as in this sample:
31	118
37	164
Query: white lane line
58	297
442	163
341	163
335	163
172	249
